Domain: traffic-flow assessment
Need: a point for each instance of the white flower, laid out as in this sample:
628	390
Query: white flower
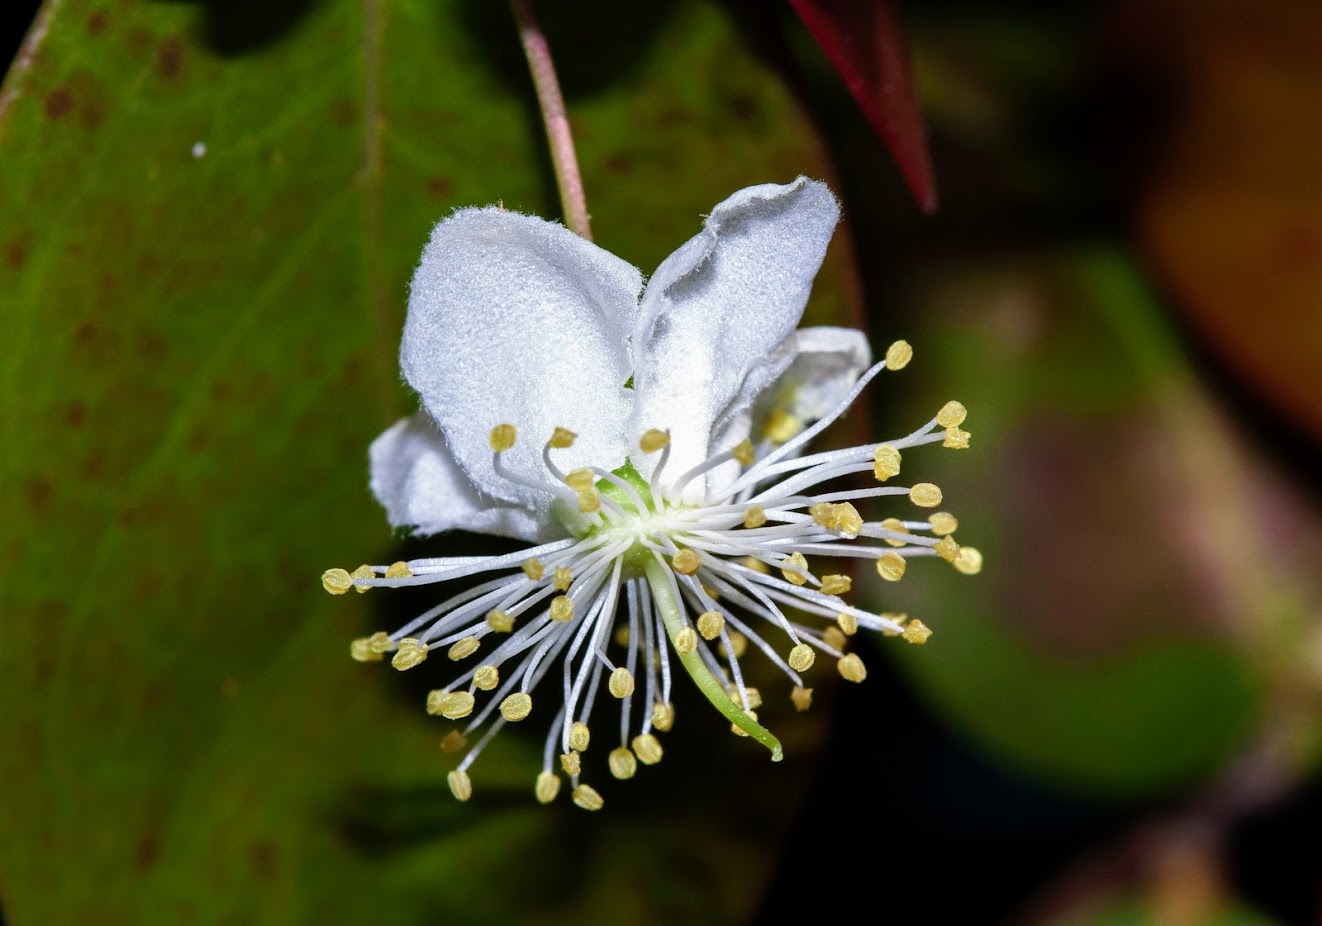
649	441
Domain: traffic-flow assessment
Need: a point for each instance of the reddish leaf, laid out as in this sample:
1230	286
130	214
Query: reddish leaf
863	39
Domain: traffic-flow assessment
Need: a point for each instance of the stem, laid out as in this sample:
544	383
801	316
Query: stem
567	177
663	594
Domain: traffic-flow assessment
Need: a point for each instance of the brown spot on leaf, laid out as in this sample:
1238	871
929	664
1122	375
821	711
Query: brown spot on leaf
85	334
58	103
16	252
439	186
96	23
75	414
346	113
264	859
139	42
39	493
148	850
619	163
170	59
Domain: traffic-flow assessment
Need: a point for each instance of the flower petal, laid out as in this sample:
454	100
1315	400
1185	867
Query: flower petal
722	303
417	481
516	320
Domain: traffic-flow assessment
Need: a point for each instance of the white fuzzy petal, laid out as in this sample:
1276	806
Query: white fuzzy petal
516	320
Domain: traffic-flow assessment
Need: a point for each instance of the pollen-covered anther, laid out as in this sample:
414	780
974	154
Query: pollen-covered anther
743	452
781	427
398	570
802	657
802	698
500	621
589	500
755	564
663	717
925	495
898	355
851	668
836	584
943	523
847	519
623	763
740	731
571	763
622	637
452	705
586	797
686	641
952	414
847	623
486	677
362	572
562	608
755	516
361	651
969	561
515	707
534	569
547	786
686	562
502	437
621	683
738	646
564	577
947	549
824	514
336	581
380	642
891	566
452	742
885	462
751	695
834	637
579	736
894	618
710	624
894	525
581	479
796	576
916	632
956	439
461	786
410	653
653	439
561	438
464	648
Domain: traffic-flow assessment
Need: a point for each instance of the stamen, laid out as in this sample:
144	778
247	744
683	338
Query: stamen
547	787
969	561
502	437
851	668
623	764
586	797
916	632
898	355
460	785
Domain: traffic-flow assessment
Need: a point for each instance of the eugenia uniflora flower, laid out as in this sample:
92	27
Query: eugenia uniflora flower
649	444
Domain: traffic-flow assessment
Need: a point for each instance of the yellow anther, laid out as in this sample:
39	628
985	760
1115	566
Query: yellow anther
851	668
834	637
586	797
824	514
547	787
410	653
571	764
755	564
336	581
579	736
561	438
502	437
916	632
712	593
891	567
534	569
738	646
751	695
623	763
362	572
361	650
743	452
399	570
663	717
621	683
943	523
452	742
836	585
956	439
898	355
802	657
895	525
847	519
686	562
563	578
952	415
464	648
589	500
947	549
460	784
796	577
802	698
755	516
515	707
969	561
451	705
500	621
710	624
885	462
848	623
562	608
380	642
900	619
622	636
781	426
925	495
580	479
653	440
739	731
486	677
686	641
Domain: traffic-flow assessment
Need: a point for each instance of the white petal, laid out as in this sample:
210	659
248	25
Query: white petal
516	320
417	481
722	303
